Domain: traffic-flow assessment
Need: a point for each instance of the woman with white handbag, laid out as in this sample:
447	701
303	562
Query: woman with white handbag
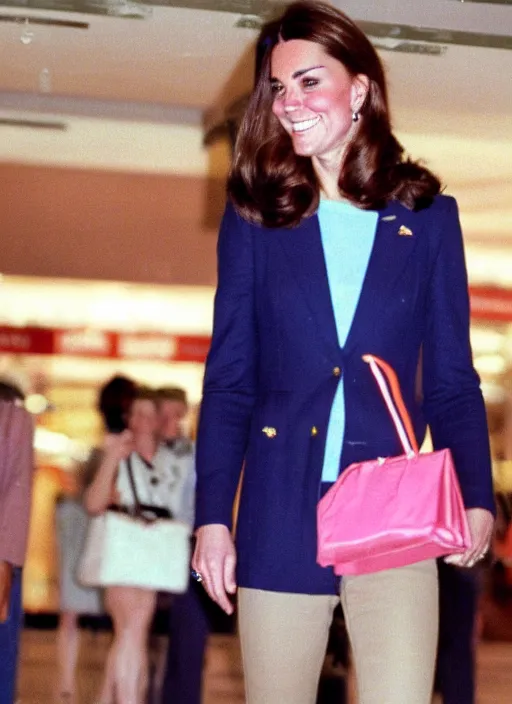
140	482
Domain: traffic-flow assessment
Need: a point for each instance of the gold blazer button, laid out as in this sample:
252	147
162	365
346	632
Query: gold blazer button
269	432
314	431
336	371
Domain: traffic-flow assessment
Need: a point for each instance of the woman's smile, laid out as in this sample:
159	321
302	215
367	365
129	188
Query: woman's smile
305	125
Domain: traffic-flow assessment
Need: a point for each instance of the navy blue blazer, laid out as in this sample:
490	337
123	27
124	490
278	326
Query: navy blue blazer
275	363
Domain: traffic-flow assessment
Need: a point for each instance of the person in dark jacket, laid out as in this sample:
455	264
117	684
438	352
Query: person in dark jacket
459	591
333	245
189	613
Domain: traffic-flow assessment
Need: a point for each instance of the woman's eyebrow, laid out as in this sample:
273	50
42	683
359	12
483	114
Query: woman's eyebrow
302	71
296	74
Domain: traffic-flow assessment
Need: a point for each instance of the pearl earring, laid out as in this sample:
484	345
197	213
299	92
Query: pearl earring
355	116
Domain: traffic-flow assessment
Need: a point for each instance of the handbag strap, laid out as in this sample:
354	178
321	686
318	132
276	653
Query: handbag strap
389	386
138	509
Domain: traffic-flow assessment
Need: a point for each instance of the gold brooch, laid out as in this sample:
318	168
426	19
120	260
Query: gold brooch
404	231
269	432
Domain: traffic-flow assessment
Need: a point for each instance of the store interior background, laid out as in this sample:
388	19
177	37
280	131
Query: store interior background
115	120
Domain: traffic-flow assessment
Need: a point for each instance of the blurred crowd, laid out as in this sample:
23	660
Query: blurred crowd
145	428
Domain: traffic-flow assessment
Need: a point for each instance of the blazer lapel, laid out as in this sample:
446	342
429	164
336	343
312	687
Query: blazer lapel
395	241
304	254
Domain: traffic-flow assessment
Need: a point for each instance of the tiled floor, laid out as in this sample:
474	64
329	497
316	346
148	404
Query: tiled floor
223	673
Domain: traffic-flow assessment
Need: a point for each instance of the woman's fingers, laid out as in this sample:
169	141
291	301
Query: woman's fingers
481	523
217	588
214	559
213	582
229	573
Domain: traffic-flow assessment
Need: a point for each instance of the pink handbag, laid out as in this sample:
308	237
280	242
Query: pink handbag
392	511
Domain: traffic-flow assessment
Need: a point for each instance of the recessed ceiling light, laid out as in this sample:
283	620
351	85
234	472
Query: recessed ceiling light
249	22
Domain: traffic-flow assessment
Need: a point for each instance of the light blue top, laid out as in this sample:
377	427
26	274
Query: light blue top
347	234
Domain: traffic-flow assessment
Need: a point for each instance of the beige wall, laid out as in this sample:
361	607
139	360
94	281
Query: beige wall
108	225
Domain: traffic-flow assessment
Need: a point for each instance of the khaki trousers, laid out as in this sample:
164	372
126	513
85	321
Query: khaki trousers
392	623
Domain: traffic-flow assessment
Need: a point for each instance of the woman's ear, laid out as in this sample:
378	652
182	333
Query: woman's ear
360	88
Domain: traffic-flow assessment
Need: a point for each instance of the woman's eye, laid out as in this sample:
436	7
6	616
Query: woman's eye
276	89
310	82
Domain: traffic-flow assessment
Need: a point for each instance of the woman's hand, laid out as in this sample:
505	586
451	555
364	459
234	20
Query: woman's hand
102	490
118	445
481	525
215	560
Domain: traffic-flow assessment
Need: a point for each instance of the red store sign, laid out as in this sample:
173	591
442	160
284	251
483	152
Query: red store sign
104	344
487	303
26	340
490	303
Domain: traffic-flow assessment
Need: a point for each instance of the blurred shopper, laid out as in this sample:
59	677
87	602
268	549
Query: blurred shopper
501	569
159	483
74	599
114	401
16	470
459	591
189	623
333	244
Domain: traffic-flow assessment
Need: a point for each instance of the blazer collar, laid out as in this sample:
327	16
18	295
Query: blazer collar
389	255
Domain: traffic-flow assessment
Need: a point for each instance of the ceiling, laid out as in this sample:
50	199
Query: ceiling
178	54
135	86
449	65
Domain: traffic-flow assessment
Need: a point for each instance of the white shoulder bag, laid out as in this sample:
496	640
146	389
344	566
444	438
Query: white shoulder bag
140	546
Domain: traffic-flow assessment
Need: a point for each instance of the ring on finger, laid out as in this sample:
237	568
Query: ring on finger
197	576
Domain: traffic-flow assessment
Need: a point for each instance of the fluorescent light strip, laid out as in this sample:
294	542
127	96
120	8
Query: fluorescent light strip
33	124
397	32
34	20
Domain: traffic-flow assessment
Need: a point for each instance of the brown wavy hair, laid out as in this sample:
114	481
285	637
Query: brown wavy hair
270	184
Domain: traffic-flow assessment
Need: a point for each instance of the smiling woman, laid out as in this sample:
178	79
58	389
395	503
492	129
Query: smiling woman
333	246
323	85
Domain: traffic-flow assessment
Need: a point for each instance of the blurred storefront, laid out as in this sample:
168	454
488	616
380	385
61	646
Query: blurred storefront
491	337
60	340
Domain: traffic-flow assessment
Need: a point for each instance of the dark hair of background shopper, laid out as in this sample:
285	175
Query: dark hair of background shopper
114	402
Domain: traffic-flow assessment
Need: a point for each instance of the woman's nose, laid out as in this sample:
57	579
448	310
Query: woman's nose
292	100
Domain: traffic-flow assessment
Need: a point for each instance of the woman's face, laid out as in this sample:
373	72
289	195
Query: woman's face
314	98
143	418
170	415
